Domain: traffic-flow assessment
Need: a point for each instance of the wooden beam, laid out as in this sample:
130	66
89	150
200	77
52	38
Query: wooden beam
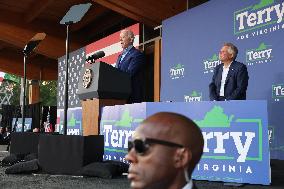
34	92
38	25
43	61
115	6
17	33
51	46
103	24
157	70
7	45
2	46
149	12
95	12
36	8
153	10
34	71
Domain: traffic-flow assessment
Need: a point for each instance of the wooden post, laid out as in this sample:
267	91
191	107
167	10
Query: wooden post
34	92
91	109
157	70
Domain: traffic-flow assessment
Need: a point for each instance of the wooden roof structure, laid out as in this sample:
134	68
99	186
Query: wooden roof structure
20	20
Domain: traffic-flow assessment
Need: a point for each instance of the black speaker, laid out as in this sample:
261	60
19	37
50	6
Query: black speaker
68	154
24	143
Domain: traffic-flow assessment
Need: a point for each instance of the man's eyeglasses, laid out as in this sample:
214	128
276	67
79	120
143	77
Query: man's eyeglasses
141	146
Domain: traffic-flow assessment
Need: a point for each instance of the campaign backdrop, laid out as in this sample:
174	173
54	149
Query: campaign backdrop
235	134
77	59
191	43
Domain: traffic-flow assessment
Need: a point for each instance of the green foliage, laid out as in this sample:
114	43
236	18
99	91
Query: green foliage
48	93
15	98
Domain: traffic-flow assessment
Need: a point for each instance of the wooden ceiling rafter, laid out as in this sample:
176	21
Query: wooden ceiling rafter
102	25
2	46
43	61
115	6
35	9
136	8
149	12
15	66
53	47
155	10
38	25
95	12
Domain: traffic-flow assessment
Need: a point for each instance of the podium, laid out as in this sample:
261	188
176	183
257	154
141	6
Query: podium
100	85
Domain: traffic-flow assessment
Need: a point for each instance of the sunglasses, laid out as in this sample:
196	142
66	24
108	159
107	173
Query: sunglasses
141	146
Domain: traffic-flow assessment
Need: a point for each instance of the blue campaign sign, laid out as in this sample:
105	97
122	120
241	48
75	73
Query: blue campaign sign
235	134
17	124
74	121
191	44
117	125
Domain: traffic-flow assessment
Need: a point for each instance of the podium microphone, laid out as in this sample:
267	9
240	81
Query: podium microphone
33	43
95	56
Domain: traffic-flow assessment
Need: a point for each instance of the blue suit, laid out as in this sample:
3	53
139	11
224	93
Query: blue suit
235	85
132	63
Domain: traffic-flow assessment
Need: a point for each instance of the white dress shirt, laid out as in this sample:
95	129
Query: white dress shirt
189	185
223	80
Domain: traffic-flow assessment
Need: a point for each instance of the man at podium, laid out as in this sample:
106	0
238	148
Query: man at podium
131	61
230	79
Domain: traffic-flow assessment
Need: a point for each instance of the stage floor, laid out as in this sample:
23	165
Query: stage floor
54	181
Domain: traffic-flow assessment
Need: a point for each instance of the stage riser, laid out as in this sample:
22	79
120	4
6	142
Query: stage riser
24	143
59	154
63	154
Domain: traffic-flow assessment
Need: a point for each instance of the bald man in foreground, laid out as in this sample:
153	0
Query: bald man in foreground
164	151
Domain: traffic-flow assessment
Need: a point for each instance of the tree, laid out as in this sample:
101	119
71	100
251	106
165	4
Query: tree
48	93
16	83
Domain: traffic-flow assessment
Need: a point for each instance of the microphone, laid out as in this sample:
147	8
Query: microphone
95	56
33	43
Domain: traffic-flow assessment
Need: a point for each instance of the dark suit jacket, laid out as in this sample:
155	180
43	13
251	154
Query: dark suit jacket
235	85
133	64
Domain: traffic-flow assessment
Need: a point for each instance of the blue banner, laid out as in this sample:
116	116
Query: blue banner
117	125
191	43
74	121
17	124
235	133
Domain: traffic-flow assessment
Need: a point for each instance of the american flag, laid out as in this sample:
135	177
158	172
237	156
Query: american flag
111	45
112	48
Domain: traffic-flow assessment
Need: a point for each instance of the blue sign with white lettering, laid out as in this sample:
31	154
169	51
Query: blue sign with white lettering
117	125
74	121
192	41
235	136
17	124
